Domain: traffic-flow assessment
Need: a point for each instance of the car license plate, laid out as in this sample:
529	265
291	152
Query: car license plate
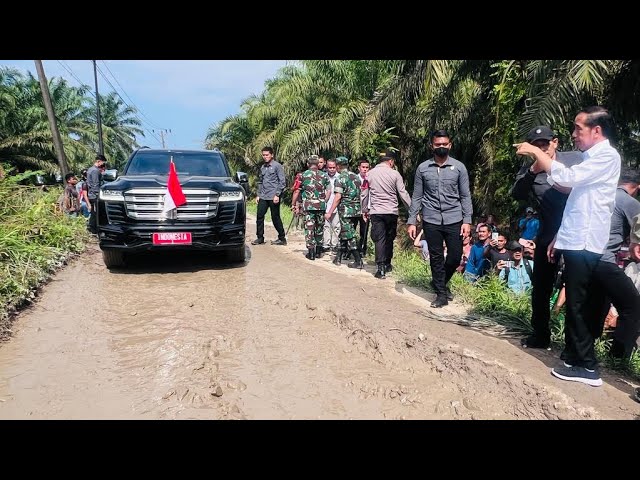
172	238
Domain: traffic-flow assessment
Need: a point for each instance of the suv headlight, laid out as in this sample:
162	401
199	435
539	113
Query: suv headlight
230	196
112	195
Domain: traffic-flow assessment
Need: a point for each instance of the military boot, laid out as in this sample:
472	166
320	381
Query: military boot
381	272
311	255
346	253
319	251
357	260
337	260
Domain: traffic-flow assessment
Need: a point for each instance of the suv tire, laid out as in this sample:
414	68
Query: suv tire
236	255
113	258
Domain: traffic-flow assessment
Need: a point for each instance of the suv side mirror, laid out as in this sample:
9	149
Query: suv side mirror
243	179
110	175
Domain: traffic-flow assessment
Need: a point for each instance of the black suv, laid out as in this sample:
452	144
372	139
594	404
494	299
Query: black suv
130	206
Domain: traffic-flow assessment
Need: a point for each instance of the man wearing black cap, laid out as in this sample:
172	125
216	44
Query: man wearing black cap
551	200
517	271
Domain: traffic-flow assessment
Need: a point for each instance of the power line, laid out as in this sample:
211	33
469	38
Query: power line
123	100
70	71
123	91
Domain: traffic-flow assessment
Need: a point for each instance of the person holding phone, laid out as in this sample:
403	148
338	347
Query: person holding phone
517	271
495	250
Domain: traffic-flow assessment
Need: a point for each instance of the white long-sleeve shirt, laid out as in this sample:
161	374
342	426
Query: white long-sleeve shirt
586	220
332	180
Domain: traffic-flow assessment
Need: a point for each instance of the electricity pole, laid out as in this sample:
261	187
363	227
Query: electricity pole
95	77
57	140
162	131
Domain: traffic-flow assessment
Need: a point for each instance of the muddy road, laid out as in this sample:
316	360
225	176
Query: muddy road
280	337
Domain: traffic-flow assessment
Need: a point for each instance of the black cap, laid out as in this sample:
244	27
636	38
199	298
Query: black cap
540	133
513	245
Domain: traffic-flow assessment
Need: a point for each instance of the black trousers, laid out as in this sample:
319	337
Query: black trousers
580	324
93	216
361	245
384	228
544	275
263	206
441	270
611	285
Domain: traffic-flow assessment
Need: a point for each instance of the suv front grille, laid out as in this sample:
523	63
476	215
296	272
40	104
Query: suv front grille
147	203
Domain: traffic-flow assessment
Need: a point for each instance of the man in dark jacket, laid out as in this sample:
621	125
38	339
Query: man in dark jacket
551	201
94	180
441	195
271	184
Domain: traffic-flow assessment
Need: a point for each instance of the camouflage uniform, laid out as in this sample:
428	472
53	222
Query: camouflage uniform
313	187
348	185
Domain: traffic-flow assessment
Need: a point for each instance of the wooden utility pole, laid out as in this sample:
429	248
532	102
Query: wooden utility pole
162	133
57	140
98	117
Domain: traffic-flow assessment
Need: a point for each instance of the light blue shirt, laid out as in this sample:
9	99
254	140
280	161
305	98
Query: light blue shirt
519	280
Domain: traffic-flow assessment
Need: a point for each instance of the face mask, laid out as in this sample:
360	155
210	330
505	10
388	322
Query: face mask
441	152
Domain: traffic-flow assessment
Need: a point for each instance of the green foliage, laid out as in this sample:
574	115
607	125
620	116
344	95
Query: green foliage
25	136
34	239
285	212
490	299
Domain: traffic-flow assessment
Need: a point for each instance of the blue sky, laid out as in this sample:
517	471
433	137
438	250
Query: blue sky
185	96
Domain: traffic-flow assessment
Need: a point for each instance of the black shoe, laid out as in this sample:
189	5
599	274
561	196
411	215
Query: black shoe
311	254
578	374
439	302
448	293
278	242
319	251
258	241
388	268
381	272
534	342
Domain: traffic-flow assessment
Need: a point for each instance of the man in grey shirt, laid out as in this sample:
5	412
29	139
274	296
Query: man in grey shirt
610	284
381	204
441	194
271	184
94	179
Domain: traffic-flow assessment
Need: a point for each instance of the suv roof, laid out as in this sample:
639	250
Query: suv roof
178	150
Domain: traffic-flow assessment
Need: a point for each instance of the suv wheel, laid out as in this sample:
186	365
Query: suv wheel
236	255
113	258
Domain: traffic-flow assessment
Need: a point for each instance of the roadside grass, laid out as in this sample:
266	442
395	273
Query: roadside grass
491	304
35	239
285	212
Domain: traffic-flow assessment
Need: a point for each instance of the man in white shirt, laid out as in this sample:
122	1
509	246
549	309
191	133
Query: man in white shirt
331	231
584	232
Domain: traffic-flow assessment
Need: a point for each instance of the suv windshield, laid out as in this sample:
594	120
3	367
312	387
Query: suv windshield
208	164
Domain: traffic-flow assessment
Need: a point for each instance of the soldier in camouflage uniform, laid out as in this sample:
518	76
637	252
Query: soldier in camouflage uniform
315	188
347	201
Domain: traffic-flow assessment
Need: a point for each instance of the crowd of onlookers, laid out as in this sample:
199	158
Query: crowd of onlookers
80	195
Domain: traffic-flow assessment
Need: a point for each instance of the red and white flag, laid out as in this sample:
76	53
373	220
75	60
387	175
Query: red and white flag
174	196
